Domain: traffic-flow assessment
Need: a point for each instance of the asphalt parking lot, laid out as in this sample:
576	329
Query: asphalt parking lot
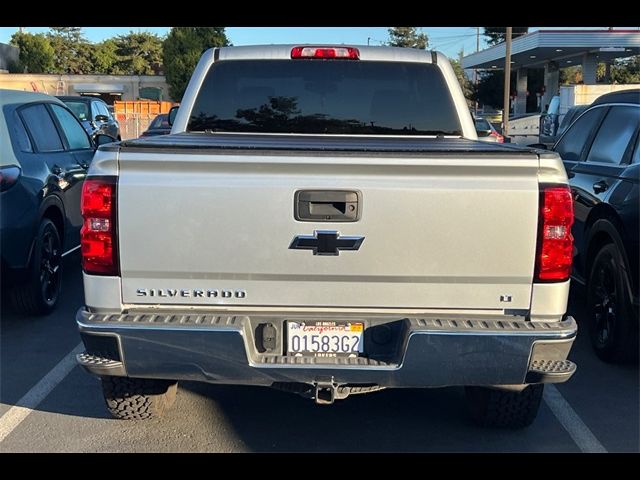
47	404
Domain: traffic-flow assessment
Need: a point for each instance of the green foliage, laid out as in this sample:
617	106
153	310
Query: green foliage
36	53
570	75
626	70
138	53
463	80
410	37
623	71
104	58
499	34
181	51
72	52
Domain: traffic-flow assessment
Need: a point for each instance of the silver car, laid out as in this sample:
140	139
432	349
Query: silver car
486	132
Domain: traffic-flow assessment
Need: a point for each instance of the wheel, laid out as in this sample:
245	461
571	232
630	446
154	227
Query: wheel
40	293
138	398
613	331
502	408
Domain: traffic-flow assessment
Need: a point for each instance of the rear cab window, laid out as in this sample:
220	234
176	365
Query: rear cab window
325	97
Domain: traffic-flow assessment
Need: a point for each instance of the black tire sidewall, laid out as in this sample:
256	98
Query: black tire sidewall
44	306
621	328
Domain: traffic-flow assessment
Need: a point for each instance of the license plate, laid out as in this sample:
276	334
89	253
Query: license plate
325	339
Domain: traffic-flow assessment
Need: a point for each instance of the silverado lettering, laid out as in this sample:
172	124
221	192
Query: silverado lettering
195	293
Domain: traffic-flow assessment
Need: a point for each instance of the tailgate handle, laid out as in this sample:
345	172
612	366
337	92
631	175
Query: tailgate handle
327	205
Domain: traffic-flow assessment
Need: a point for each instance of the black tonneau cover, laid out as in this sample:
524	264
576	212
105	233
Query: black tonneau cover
247	141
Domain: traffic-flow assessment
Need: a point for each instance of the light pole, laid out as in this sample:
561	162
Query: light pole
475	71
507	84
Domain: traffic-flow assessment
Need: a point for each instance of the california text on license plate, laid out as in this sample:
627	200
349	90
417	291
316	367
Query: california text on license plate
325	339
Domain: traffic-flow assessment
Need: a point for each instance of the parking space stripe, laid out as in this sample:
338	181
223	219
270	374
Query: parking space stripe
68	252
572	423
23	407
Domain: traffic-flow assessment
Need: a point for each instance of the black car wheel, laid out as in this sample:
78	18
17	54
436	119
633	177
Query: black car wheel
613	332
40	293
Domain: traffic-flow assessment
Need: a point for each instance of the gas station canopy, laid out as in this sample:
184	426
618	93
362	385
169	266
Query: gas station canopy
565	47
553	50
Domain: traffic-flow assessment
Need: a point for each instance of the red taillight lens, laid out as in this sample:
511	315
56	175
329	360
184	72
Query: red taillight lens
555	242
98	235
8	177
499	138
346	53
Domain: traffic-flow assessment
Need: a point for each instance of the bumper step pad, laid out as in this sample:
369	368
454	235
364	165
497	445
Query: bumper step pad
100	365
550	371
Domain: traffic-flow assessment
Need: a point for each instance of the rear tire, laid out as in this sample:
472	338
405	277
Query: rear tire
138	398
503	408
612	327
40	292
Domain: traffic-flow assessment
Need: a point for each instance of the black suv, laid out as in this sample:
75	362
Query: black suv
94	115
601	153
43	163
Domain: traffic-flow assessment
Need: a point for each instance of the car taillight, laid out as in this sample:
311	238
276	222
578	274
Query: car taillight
8	177
345	53
555	242
499	138
98	236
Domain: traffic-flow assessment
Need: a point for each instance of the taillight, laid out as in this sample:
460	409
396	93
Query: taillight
555	242
98	236
499	138
8	177
345	53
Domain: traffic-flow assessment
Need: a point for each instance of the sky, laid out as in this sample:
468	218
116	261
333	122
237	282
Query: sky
448	40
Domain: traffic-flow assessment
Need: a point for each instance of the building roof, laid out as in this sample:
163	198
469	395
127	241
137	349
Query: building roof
566	47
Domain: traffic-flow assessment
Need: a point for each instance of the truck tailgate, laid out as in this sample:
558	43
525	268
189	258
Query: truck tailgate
441	230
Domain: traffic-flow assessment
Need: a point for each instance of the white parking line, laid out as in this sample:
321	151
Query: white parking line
572	423
71	251
23	407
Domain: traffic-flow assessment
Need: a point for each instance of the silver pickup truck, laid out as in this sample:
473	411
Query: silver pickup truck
323	220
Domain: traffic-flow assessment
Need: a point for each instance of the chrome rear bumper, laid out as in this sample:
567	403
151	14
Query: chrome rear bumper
424	352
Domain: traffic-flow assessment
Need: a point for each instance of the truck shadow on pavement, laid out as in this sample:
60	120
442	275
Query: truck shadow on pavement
411	420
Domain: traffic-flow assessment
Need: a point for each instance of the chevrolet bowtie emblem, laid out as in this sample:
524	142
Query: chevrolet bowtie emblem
325	242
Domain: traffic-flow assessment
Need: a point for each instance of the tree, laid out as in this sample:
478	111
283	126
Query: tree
463	80
570	75
104	58
626	70
138	53
181	51
36	53
410	37
72	52
499	34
